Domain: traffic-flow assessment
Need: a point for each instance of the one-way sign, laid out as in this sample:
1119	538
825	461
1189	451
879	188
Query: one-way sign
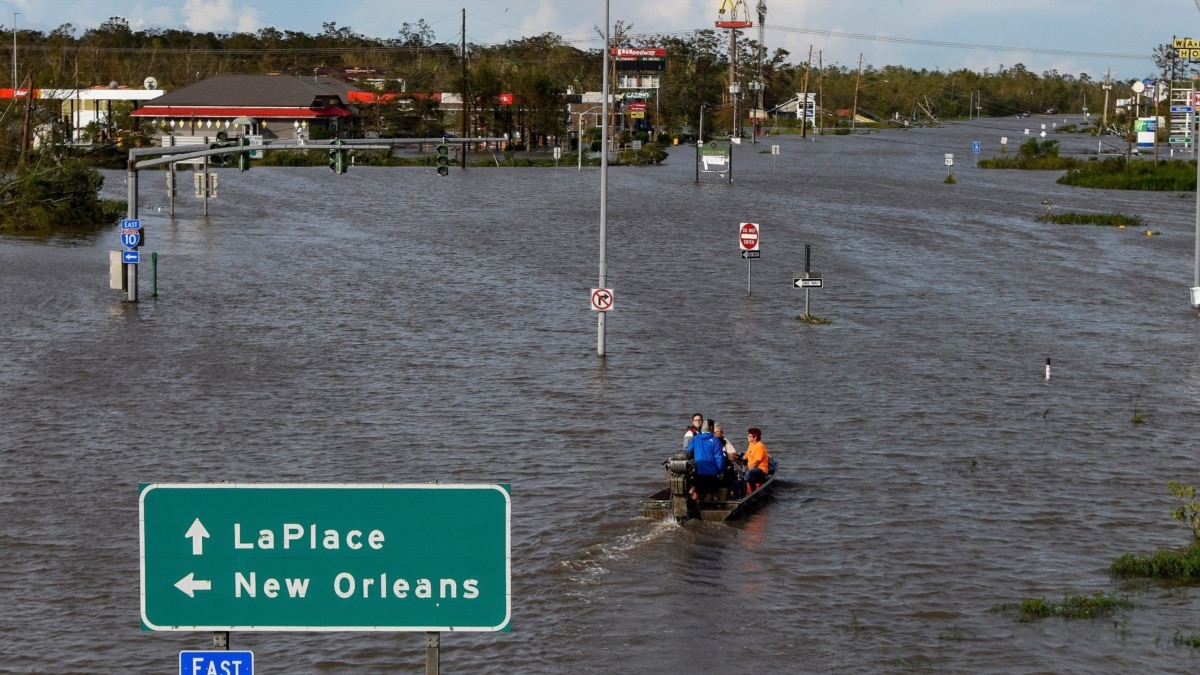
800	282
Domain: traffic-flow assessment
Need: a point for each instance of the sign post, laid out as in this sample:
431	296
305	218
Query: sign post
325	557
132	236
748	244
807	279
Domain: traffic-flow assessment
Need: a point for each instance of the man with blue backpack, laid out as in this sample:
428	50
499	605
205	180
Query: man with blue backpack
707	452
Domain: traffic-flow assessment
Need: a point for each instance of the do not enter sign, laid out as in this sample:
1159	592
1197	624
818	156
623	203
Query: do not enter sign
748	236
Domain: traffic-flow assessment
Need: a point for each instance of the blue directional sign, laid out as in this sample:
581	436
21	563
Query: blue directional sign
131	257
131	238
216	663
131	224
975	147
1181	109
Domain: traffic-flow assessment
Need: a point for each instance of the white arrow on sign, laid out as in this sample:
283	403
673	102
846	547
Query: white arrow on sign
197	534
190	584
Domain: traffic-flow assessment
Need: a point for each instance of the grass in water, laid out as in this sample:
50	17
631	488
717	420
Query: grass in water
1178	565
1115	173
1072	607
1100	219
814	320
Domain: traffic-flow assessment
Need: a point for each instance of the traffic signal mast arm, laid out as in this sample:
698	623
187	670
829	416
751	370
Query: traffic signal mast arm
180	153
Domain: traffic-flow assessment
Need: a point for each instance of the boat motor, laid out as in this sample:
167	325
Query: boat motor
680	470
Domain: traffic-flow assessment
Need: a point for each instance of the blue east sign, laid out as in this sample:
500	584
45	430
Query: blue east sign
216	663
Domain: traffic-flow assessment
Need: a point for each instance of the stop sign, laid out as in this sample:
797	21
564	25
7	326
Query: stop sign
748	236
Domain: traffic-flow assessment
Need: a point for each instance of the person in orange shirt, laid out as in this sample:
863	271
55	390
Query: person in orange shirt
757	460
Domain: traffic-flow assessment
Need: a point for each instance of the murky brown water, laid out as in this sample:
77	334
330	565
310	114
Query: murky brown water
391	326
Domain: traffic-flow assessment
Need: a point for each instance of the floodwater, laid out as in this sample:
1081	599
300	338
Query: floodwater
390	326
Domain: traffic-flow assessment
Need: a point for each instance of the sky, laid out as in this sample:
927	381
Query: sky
1070	36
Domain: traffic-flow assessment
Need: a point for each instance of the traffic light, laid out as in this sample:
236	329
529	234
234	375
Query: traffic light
223	159
243	158
338	159
443	159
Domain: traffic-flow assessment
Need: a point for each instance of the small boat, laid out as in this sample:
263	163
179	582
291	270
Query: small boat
674	500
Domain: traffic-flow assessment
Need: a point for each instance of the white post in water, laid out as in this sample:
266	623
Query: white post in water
1047	368
603	186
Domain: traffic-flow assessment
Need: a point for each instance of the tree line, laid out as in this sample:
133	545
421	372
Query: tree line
538	71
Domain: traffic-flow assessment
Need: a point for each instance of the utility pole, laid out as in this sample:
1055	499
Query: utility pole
820	90
15	14
857	79
804	95
762	27
463	58
1107	86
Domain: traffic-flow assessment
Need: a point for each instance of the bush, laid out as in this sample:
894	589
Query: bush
65	194
1115	173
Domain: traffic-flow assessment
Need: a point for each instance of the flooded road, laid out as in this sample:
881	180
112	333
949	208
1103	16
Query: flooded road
390	326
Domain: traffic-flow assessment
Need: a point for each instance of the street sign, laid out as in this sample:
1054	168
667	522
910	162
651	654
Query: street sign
949	160
748	236
131	238
751	254
801	282
216	663
1182	109
975	147
602	299
130	257
325	557
1180	139
131	224
774	149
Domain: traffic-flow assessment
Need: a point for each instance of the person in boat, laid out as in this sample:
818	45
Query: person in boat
735	468
693	428
758	461
706	451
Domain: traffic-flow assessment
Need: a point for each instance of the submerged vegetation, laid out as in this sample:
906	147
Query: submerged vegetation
55	194
1181	565
1114	173
1097	605
1104	219
1033	155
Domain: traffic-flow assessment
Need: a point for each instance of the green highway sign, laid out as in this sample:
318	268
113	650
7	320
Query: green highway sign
325	557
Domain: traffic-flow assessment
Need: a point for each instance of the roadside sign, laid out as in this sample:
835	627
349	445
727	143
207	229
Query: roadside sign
131	238
751	254
748	236
975	147
1182	109
949	159
130	257
216	662
774	149
1180	140
802	282
602	299
131	224
325	557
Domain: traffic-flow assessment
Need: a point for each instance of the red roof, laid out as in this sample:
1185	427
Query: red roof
235	111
